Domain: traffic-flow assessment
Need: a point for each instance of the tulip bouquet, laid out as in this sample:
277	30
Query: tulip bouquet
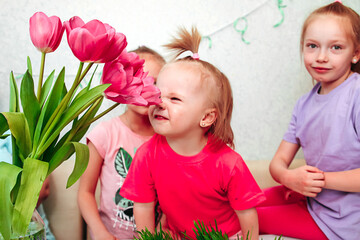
37	119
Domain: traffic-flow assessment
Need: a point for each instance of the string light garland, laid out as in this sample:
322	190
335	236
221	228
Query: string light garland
243	19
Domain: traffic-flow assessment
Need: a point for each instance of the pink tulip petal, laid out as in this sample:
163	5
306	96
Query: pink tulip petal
116	46
95	27
58	30
39	30
81	43
76	22
101	42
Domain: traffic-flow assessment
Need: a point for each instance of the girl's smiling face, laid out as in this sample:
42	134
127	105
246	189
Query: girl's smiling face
184	101
328	51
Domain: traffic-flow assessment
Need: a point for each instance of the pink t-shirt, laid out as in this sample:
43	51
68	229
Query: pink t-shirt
116	144
205	187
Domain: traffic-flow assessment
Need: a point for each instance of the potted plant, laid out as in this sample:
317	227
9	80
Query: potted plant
38	119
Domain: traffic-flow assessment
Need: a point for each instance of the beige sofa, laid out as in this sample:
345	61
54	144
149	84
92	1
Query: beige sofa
64	215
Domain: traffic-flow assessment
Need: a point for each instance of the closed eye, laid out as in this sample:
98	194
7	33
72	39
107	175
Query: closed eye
175	99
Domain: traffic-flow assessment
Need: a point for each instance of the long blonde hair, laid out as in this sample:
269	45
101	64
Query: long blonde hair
222	98
340	10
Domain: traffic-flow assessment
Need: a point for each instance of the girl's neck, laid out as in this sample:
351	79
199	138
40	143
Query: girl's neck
188	146
137	123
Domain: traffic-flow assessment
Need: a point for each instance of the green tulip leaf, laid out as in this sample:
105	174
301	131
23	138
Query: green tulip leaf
14	105
29	102
87	88
77	130
81	162
82	103
46	87
3	124
82	158
29	65
55	96
62	154
8	178
49	106
75	109
32	179
86	120
19	128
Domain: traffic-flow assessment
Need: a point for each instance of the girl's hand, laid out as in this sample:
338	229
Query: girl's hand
306	180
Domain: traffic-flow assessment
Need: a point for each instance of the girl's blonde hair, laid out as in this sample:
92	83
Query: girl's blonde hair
342	11
221	94
146	50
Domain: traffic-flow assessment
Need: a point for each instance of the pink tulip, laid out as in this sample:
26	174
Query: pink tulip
94	41
129	83
46	32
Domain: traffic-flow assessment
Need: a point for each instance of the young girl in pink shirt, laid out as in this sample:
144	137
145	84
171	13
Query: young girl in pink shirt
189	165
112	145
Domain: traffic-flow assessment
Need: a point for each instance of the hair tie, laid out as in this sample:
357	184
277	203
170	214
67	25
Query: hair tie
338	1
196	56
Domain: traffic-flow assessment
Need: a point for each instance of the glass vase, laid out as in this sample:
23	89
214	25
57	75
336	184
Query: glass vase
35	231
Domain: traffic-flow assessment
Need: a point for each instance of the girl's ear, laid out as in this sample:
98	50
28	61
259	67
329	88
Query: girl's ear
356	56
209	118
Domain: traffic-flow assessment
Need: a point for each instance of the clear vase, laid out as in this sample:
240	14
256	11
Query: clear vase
35	231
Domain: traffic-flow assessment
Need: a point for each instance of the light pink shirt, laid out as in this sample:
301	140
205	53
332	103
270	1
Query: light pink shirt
116	144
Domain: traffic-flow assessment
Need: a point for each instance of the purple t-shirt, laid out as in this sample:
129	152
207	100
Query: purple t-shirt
327	127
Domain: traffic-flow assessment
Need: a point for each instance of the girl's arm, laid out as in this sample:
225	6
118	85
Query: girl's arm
346	181
86	196
249	223
144	214
306	180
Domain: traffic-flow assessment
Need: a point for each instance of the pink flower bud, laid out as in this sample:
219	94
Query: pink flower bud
46	32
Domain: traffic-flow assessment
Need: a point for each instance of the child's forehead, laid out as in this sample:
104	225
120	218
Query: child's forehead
180	70
341	22
179	76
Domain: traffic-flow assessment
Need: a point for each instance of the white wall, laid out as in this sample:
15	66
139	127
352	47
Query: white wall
267	76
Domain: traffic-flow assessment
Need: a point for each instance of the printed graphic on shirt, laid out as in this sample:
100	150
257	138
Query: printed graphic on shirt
124	211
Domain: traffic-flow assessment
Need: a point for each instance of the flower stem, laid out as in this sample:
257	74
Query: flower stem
41	75
100	115
85	71
57	113
81	123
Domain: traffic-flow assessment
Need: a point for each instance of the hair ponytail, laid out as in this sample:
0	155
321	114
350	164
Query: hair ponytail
186	41
217	83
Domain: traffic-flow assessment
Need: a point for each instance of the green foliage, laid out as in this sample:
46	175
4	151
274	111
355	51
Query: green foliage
202	232
157	235
36	121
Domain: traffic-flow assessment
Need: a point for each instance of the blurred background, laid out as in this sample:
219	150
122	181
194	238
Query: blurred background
254	42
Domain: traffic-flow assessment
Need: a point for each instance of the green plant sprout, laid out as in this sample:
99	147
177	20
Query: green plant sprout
202	232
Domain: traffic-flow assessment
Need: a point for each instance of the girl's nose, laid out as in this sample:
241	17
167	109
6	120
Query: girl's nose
161	105
322	56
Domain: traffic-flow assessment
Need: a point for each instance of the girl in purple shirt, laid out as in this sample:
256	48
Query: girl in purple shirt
322	199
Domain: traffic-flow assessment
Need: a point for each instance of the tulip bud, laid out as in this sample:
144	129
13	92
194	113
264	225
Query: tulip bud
45	32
